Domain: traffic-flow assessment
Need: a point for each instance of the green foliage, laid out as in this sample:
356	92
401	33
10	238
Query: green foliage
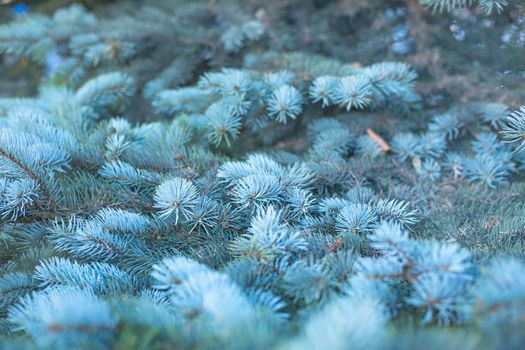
488	6
282	200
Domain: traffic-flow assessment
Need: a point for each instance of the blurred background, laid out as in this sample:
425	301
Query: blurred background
461	56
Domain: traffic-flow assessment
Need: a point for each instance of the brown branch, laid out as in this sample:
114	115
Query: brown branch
29	172
417	24
104	243
56	328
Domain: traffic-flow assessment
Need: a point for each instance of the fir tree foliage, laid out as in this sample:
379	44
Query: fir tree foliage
112	228
488	6
287	237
